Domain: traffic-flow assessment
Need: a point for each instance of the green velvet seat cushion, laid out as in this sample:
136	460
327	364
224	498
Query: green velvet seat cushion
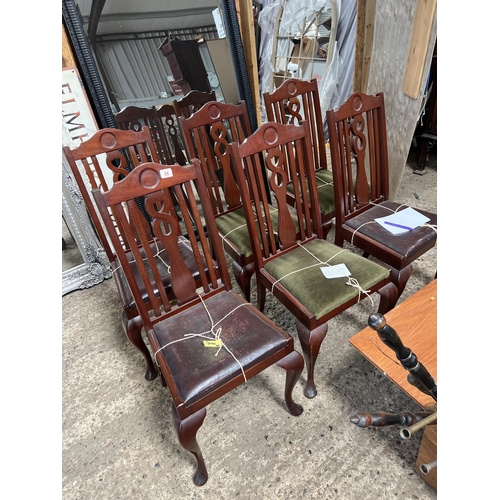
233	227
319	294
324	184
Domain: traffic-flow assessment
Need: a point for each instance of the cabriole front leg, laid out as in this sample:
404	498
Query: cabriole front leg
133	327
310	340
186	433
388	298
293	364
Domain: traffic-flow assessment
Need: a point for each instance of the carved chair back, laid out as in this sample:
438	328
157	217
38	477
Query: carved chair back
135	118
158	184
207	134
287	157
358	145
106	157
295	100
191	102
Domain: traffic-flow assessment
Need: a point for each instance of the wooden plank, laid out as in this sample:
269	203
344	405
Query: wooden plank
247	28
358	52
368	42
68	58
419	44
427	453
415	321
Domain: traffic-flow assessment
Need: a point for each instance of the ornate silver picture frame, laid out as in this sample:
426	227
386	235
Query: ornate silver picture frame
78	124
95	267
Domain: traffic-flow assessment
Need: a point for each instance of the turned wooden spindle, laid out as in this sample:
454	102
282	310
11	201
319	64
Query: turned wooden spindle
383	419
418	375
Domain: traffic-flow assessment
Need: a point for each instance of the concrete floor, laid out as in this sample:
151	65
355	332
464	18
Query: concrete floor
117	437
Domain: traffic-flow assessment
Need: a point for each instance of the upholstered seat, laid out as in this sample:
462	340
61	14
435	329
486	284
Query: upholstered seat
405	247
198	371
299	271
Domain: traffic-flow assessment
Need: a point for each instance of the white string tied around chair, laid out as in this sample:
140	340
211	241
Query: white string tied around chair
350	281
215	335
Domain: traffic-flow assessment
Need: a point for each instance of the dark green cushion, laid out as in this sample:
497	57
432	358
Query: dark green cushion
233	227
319	294
324	184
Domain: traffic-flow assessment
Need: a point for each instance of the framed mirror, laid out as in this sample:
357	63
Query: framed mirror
117	44
84	261
138	28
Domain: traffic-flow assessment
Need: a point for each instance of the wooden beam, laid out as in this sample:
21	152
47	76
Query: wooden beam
365	23
247	28
68	58
368	42
358	52
419	44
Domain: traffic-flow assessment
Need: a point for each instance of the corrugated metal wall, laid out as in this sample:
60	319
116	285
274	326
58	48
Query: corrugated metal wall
135	71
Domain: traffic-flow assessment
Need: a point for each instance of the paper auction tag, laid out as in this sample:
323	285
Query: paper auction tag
212	343
337	271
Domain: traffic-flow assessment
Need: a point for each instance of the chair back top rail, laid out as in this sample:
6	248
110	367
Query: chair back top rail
192	102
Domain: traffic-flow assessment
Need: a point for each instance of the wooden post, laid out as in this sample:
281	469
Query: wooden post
68	58
247	29
419	45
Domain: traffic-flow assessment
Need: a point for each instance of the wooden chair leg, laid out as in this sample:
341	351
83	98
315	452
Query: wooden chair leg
310	340
243	276
388	297
293	364
261	296
186	433
327	226
133	327
400	278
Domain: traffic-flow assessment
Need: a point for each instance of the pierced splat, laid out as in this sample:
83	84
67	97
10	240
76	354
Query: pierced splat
207	134
219	134
167	118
